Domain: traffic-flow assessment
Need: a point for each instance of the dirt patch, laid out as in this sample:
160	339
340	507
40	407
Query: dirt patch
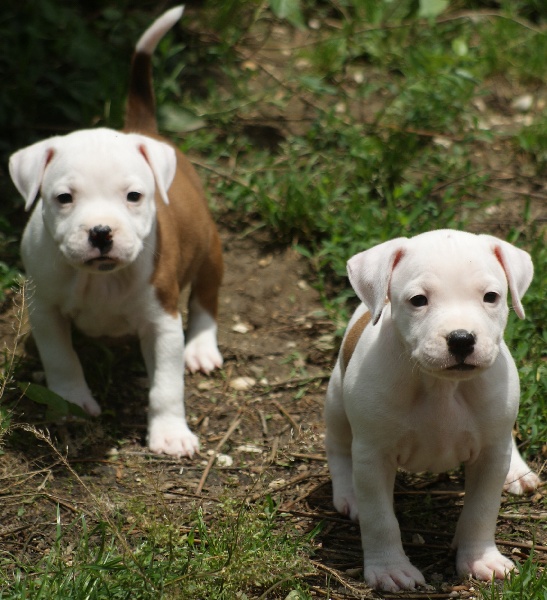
274	334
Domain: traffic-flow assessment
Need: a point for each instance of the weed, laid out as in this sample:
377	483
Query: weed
530	581
247	548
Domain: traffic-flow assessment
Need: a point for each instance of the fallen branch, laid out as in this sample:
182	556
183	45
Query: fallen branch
218	448
289	418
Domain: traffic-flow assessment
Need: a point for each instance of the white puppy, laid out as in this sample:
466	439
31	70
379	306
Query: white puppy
424	381
120	227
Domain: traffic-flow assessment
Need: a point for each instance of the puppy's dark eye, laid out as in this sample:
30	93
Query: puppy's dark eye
134	196
419	300
491	297
64	198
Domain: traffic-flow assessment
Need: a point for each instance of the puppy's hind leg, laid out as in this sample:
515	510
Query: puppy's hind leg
338	444
520	478
201	351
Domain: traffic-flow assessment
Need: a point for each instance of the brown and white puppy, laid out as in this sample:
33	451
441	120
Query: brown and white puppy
120	227
424	381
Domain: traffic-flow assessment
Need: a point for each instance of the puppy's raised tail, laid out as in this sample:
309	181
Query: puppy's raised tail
140	113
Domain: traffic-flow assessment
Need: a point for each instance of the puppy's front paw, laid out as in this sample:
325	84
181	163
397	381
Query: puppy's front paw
170	435
81	397
201	353
392	574
346	504
483	564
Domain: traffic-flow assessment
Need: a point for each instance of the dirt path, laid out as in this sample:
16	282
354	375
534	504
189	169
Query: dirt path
263	413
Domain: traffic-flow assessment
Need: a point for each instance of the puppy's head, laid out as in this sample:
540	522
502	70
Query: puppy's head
448	294
97	189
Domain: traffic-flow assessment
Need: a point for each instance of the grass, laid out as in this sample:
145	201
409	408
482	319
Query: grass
530	583
380	131
141	550
159	559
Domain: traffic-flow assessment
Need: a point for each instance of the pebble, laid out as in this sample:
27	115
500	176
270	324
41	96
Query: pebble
417	539
523	103
240	328
242	383
251	448
224	460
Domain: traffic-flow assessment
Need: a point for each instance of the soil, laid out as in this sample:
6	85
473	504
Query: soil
274	332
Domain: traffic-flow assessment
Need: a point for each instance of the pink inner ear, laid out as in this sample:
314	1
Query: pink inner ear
398	255
35	190
49	155
397	258
159	186
517	305
142	149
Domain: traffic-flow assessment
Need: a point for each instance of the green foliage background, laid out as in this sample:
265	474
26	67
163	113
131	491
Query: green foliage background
336	186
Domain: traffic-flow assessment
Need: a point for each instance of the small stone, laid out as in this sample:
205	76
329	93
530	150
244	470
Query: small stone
242	384
251	448
314	24
417	539
276	483
224	460
359	77
205	386
264	262
523	103
355	573
241	328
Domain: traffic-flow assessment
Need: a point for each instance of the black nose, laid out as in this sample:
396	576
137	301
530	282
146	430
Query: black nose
100	237
460	343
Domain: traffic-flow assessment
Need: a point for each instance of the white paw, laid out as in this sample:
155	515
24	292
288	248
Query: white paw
170	435
483	564
521	481
392	574
346	504
81	397
201	353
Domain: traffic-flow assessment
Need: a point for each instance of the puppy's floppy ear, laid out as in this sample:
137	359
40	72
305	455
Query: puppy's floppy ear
518	268
27	167
370	273
162	160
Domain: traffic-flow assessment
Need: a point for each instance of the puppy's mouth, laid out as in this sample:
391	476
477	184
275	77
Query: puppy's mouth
461	367
102	263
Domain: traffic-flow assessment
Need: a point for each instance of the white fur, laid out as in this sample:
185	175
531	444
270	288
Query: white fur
405	400
104	292
150	38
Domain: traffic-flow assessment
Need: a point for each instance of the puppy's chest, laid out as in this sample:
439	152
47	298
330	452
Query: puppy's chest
439	433
104	306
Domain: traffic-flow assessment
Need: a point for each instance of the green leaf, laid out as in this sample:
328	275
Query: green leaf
288	9
429	9
176	119
57	407
459	45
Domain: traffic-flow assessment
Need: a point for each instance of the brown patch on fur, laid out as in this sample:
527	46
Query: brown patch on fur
353	337
188	249
140	111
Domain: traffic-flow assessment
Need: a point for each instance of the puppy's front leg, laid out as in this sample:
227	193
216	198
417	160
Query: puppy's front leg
162	344
386	565
64	373
477	554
